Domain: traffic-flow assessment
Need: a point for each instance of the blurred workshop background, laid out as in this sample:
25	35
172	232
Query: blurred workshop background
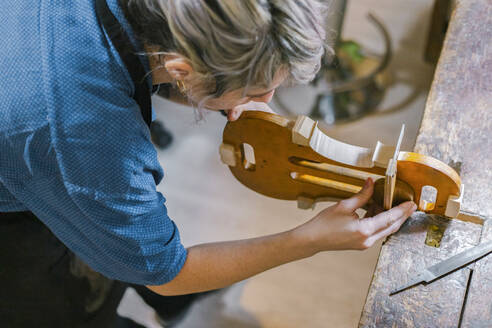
380	86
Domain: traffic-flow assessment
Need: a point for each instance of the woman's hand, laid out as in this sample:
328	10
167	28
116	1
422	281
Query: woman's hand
233	114
339	227
216	265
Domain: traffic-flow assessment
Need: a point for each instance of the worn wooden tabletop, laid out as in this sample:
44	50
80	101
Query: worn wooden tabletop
456	129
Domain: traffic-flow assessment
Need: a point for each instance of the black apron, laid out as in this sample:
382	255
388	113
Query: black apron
43	283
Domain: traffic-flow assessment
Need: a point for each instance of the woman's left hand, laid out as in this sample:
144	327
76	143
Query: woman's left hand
233	114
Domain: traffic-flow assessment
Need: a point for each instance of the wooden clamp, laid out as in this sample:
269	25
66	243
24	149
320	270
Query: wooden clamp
295	160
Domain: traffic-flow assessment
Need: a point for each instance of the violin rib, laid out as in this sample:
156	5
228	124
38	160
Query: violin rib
295	160
307	132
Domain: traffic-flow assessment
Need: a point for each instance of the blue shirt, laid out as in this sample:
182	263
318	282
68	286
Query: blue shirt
74	148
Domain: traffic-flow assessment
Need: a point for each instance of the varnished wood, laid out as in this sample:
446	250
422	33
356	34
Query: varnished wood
286	170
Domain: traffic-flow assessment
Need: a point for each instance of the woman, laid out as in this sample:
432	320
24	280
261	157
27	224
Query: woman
78	172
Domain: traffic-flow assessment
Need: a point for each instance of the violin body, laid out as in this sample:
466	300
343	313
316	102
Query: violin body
294	160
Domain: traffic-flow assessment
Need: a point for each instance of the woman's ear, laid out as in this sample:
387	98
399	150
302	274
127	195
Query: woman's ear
177	67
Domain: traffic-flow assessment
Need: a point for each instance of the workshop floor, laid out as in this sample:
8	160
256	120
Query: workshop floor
208	204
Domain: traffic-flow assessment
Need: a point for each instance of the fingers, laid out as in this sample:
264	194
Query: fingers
385	232
359	199
386	219
384	224
235	113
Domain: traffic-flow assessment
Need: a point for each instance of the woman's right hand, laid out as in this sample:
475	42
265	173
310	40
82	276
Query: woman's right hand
339	227
216	265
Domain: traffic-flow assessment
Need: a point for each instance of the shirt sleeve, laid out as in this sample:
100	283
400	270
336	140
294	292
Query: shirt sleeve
78	153
110	213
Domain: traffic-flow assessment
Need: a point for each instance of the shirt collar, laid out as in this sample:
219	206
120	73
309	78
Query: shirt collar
115	7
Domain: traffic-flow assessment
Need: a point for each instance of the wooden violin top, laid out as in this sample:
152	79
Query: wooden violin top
294	160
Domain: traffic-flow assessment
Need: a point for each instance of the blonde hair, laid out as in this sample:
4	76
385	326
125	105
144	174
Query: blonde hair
234	44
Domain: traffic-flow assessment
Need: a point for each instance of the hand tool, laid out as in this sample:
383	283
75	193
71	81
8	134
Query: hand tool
453	263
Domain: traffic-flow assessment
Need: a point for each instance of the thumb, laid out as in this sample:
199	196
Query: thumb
233	114
359	199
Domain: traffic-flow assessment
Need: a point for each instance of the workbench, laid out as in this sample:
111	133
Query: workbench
456	129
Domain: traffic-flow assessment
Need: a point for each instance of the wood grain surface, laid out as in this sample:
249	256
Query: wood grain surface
456	129
404	255
477	311
457	123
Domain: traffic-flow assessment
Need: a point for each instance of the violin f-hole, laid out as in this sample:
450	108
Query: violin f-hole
326	183
339	170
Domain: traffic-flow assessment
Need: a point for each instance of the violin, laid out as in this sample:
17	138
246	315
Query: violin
295	160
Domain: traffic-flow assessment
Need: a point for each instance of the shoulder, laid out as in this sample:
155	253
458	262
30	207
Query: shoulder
97	129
